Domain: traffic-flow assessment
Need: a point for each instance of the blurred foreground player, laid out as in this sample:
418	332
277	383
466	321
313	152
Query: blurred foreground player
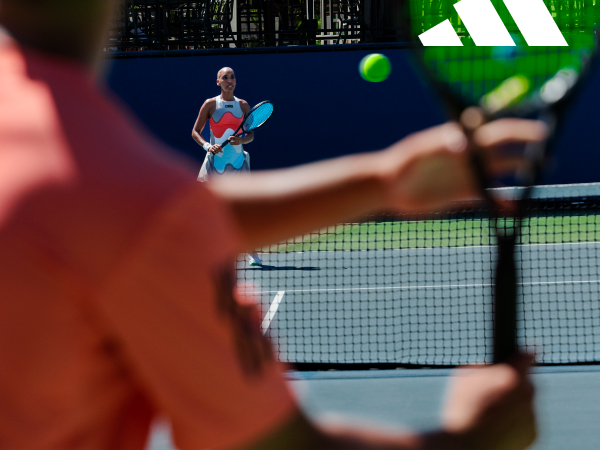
116	283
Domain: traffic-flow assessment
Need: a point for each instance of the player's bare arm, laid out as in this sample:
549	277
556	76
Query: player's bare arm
206	112
424	171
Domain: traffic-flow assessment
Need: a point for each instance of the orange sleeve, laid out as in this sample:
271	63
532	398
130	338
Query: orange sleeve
201	358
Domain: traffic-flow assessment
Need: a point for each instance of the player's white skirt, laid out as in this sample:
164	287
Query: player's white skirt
208	171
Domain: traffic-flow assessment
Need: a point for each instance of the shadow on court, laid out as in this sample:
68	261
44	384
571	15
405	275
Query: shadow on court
265	267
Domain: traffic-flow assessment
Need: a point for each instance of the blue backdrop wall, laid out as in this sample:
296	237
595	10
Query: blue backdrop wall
322	106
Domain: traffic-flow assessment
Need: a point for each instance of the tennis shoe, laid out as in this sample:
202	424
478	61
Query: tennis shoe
254	260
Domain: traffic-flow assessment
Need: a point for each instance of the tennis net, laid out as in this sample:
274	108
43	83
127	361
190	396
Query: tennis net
393	291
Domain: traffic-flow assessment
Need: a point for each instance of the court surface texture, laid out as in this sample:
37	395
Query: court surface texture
431	308
567	401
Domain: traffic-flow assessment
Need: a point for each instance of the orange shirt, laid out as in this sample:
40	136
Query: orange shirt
115	307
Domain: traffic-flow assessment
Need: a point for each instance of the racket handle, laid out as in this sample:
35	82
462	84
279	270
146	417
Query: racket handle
505	301
226	143
478	165
471	119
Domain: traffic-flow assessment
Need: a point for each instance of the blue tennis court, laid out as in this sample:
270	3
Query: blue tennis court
567	401
335	308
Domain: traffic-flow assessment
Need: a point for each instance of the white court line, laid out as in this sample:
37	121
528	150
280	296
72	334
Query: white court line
431	286
272	310
469	247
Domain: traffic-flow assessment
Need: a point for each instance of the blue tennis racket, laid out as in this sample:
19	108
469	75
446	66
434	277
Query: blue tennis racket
255	118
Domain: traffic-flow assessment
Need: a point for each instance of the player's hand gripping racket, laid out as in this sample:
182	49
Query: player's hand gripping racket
254	119
507	58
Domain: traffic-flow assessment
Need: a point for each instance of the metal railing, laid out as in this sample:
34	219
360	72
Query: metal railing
178	25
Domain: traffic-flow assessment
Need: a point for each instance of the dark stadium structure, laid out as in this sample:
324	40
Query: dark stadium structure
146	25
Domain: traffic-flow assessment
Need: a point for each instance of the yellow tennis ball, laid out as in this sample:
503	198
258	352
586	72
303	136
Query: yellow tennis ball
375	67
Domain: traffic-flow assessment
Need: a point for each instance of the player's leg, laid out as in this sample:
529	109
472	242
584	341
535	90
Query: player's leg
208	171
252	258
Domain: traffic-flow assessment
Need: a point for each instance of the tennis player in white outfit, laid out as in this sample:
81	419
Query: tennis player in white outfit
225	113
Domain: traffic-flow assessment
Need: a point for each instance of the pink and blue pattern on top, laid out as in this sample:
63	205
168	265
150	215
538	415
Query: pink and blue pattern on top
227	117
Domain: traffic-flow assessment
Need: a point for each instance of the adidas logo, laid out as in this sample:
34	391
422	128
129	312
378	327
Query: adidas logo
486	28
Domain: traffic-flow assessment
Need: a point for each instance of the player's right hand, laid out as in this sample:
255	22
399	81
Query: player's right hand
215	149
492	407
432	169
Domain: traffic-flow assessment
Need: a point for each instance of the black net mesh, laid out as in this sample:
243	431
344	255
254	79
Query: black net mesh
396	290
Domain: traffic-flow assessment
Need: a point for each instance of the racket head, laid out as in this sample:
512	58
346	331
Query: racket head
486	53
497	62
258	116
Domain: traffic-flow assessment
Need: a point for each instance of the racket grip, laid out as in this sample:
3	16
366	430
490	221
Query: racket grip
226	143
478	165
505	301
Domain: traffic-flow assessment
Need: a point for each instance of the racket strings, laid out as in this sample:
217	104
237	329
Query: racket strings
258	117
509	77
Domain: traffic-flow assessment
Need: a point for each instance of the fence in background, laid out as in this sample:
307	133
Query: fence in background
178	25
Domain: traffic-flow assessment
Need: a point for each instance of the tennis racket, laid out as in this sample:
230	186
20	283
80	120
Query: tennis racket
255	118
523	58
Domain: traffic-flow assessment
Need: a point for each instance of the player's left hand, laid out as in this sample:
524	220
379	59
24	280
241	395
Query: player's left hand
431	169
492	407
235	140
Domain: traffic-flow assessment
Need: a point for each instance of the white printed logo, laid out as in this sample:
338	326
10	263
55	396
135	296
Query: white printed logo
486	28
